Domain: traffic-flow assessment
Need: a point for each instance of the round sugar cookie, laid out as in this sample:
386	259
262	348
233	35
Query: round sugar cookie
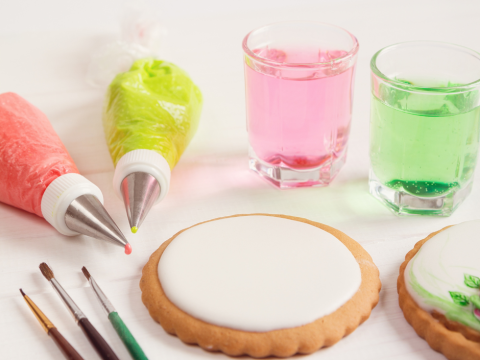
439	290
260	285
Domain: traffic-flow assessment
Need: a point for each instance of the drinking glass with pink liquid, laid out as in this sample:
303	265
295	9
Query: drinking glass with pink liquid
299	93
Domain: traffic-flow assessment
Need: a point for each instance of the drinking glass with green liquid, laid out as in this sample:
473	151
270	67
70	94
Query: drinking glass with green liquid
424	127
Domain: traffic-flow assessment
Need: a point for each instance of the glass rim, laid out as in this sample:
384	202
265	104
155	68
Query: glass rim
350	54
403	85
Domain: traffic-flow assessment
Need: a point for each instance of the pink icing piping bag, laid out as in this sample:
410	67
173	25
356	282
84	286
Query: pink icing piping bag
39	176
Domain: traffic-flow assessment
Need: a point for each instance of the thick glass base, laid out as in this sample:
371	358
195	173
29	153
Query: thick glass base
285	177
403	202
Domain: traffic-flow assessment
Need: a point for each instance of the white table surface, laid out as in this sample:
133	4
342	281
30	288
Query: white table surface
45	47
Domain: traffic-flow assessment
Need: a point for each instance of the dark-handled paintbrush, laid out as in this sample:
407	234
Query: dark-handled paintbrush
133	348
97	341
64	346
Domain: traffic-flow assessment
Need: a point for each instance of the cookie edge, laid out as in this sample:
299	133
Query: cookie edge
453	345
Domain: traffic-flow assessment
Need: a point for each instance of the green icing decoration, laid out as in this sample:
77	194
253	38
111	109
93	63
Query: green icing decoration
153	106
472	281
459	298
453	311
475	300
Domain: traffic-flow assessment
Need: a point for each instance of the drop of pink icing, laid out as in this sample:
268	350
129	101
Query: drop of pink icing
128	249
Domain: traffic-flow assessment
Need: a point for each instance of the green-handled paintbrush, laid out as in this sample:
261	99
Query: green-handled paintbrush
133	348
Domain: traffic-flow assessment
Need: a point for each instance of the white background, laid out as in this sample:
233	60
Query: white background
45	47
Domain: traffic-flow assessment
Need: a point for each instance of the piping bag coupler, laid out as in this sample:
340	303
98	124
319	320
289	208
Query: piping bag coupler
141	179
74	205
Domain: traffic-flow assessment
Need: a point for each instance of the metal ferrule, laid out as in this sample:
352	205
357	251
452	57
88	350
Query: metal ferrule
72	307
46	324
107	305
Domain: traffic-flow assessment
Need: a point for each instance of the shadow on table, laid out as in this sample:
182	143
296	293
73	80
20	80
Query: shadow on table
218	185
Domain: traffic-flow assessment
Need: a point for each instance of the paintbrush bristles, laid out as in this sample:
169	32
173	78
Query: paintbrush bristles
23	294
86	273
46	271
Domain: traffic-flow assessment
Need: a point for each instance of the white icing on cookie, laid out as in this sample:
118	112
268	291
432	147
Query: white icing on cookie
258	273
442	275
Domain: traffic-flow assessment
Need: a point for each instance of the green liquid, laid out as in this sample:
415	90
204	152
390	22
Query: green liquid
424	145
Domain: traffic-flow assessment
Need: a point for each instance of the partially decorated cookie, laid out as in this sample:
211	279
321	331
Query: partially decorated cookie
260	285
439	288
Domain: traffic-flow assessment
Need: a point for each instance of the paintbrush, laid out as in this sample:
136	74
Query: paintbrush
131	344
62	343
97	341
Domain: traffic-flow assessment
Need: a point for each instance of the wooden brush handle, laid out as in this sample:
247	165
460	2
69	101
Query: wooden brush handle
64	346
97	341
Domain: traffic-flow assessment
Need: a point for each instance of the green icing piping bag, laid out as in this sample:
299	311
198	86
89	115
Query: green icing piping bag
130	343
151	113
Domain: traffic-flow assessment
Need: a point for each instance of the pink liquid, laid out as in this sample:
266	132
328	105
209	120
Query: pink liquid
298	118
